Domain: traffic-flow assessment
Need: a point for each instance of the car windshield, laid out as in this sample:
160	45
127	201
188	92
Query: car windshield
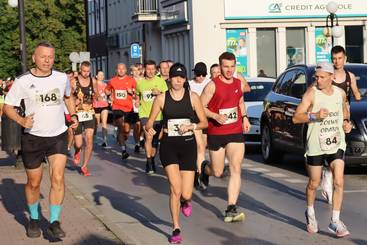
258	91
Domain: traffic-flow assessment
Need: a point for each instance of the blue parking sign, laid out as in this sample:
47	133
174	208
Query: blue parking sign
135	51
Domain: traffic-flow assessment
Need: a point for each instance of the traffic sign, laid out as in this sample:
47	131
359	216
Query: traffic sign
135	51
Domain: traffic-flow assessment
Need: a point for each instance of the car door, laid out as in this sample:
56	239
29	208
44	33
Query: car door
294	136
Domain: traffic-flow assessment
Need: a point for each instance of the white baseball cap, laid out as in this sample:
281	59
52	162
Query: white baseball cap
325	66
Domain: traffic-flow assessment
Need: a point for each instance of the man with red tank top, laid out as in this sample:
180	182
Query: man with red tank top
121	88
227	120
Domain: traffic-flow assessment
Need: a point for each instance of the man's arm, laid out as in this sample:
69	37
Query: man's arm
301	114
25	122
354	86
245	86
347	126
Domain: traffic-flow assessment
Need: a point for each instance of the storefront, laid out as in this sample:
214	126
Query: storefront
269	36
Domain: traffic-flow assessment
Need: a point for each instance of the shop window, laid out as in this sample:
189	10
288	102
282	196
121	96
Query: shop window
266	52
354	43
296	53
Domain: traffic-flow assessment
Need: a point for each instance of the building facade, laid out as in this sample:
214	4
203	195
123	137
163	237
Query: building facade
267	36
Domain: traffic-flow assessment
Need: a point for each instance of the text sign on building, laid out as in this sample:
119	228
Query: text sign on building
135	51
291	9
174	14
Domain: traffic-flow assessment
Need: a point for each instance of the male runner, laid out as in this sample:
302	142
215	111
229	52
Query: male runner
224	106
44	92
122	88
324	108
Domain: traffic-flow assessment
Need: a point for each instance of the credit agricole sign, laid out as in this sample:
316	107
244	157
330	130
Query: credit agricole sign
285	9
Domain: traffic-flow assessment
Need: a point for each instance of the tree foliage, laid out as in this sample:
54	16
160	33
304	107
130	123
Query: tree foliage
61	22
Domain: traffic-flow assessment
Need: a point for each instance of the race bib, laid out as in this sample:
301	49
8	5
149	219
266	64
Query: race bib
231	114
148	96
329	141
85	116
173	126
50	98
121	94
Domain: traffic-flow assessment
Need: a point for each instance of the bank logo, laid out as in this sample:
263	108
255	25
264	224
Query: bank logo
275	8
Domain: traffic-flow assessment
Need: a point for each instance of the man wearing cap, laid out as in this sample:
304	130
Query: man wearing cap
323	107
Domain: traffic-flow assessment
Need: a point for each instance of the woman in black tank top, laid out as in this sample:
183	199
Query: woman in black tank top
178	146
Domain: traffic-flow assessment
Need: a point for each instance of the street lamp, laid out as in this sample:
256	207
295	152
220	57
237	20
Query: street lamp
335	31
23	49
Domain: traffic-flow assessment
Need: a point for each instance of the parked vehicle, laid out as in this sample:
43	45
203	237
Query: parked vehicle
279	135
260	87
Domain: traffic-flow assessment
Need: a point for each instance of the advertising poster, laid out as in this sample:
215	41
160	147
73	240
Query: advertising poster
295	56
323	45
236	43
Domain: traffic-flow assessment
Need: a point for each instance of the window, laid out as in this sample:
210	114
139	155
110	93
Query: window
286	82
258	92
354	43
266	51
295	46
298	87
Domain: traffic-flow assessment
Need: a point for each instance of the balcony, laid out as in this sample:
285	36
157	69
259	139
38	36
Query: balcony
146	10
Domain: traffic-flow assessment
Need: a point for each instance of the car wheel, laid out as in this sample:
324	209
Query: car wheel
269	153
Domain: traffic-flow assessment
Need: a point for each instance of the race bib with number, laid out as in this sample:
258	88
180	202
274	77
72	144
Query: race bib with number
173	126
231	114
329	141
50	98
148	96
85	116
121	94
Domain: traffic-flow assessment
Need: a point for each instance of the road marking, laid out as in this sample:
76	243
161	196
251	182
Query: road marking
296	181
356	191
276	175
264	170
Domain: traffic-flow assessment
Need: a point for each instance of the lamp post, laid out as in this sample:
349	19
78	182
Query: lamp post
333	30
23	49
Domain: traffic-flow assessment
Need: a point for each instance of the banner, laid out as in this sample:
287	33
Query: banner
323	45
236	43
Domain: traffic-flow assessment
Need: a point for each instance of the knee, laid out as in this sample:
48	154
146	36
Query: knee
217	172
176	192
34	184
186	196
338	183
313	184
57	179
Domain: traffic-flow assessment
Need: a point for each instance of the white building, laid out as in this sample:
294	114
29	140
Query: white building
264	35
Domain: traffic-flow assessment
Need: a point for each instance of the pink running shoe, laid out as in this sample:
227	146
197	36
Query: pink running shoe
176	237
85	171
186	208
77	158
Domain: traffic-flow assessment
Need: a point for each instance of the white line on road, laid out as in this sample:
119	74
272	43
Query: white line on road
356	191
264	170
276	175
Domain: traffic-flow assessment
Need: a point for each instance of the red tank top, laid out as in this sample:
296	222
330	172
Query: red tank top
225	101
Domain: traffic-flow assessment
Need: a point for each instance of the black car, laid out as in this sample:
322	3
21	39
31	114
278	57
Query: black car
279	135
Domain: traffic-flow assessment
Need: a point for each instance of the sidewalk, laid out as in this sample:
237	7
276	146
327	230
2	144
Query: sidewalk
80	225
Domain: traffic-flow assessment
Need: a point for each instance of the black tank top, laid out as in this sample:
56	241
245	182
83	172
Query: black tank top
345	85
88	91
173	109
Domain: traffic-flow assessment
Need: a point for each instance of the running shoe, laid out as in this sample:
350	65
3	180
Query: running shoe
232	215
85	171
104	144
137	149
338	228
153	166
142	143
124	155
77	158
54	230
203	177
196	181
148	166
176	237
312	226
33	230
186	208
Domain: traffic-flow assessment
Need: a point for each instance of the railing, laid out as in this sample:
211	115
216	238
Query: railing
146	6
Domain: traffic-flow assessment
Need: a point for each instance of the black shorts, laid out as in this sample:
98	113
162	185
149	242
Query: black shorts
215	142
179	150
134	117
36	148
325	159
126	116
98	110
84	125
157	126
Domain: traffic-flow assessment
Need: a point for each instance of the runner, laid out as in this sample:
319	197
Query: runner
147	89
224	106
100	105
138	133
323	107
214	71
44	91
178	147
68	121
347	81
122	89
164	72
84	93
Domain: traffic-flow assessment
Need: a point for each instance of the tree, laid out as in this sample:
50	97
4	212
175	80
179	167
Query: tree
61	22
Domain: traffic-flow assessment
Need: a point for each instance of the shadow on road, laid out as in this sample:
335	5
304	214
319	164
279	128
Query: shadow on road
231	238
93	239
129	205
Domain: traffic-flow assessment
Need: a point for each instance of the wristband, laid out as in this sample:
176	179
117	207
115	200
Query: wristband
311	117
346	120
194	126
243	116
75	115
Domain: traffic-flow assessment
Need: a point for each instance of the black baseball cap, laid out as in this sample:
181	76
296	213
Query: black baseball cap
178	70
200	69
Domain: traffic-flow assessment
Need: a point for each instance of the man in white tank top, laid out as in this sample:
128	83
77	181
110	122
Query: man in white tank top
323	107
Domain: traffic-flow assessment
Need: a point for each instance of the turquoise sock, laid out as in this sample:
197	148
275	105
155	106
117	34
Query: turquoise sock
54	213
33	210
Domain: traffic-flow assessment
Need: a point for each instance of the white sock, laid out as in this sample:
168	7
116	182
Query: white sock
310	210
335	217
123	148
